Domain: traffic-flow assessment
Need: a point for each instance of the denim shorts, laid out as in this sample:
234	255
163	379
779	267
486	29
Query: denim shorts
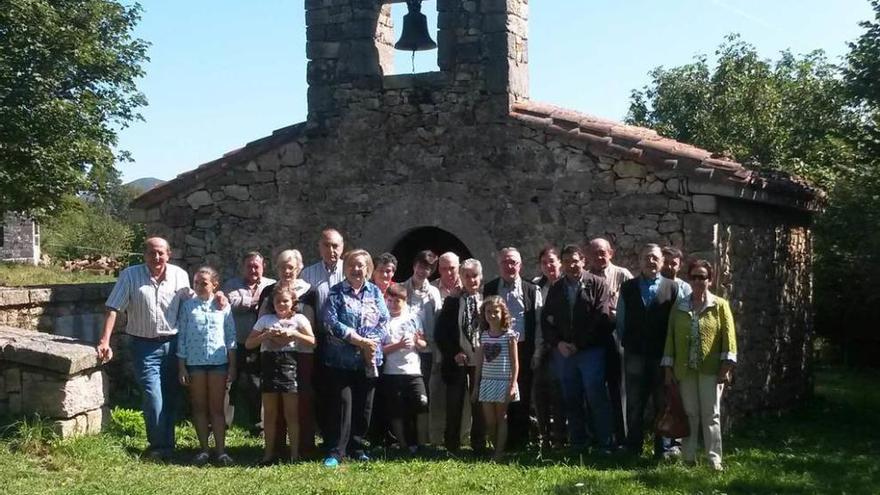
219	369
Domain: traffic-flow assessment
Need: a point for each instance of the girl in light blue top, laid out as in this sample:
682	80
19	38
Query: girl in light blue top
206	352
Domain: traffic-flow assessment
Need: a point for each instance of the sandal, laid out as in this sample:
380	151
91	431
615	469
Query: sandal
201	458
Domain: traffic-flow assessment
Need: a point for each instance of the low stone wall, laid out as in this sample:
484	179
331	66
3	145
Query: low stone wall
57	378
75	310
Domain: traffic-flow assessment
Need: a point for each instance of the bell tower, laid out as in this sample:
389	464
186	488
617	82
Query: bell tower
482	53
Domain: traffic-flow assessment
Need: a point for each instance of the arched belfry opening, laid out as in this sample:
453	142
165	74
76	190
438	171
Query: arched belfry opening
419	239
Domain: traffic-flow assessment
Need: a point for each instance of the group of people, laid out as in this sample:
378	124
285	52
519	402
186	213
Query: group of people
581	351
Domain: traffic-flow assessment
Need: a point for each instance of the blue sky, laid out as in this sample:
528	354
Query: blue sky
225	72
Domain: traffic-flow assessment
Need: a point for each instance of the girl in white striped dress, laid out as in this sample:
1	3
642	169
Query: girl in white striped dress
497	369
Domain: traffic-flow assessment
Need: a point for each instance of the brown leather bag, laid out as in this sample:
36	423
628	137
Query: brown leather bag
673	422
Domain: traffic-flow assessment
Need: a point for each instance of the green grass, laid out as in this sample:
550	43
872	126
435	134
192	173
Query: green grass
832	445
18	274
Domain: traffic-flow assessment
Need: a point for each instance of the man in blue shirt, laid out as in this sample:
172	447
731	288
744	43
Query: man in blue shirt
642	316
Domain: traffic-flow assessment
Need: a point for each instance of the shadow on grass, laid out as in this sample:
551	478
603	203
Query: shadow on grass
831	445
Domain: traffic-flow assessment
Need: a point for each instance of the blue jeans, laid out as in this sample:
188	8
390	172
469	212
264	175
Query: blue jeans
582	375
155	368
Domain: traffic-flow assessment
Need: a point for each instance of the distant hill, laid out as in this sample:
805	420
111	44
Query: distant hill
144	184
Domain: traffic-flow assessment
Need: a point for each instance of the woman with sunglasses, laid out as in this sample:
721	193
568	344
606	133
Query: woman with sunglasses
700	356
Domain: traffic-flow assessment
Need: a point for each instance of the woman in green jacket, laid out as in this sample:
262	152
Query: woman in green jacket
700	355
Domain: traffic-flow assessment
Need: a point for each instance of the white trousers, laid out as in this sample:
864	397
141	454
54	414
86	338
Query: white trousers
701	397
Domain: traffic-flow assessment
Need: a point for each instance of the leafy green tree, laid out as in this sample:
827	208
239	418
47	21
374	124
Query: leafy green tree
83	228
790	115
68	72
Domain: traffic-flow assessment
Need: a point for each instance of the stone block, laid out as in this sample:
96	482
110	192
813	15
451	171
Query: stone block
291	155
704	203
12	379
14	297
198	199
325	49
677	205
626	169
88	423
39	296
60	396
237	192
51	352
627	186
638	204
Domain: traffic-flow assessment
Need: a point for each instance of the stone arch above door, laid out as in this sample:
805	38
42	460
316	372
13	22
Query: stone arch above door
390	223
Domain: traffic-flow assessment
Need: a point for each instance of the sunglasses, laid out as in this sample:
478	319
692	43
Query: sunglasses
699	276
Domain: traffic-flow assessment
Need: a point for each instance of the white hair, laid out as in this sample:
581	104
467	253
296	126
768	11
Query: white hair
471	264
451	257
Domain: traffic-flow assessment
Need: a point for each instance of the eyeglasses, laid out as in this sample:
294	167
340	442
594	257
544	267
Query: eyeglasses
699	276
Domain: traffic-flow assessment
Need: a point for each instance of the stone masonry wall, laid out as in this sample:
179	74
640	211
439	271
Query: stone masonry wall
20	242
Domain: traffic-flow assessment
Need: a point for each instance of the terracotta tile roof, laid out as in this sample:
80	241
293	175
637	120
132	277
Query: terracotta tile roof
203	172
647	146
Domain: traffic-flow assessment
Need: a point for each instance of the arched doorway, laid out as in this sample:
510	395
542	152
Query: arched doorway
419	239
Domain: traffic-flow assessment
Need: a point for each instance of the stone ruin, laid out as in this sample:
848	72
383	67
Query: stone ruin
56	378
461	159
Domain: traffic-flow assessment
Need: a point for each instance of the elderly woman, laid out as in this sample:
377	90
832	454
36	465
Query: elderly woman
356	320
383	275
700	355
288	265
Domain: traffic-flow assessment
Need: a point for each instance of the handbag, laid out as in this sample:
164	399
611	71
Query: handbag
673	422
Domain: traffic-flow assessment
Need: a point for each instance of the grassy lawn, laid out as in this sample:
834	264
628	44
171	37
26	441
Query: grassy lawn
18	274
830	446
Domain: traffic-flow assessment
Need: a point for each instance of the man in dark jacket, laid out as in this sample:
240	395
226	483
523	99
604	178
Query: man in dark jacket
642	318
457	333
524	301
575	322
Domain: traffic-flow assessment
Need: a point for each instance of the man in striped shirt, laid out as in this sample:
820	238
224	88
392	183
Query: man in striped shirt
148	293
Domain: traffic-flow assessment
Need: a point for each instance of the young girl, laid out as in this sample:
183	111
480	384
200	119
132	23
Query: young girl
497	370
278	335
206	352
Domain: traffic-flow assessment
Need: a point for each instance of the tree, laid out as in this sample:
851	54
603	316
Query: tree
68	70
789	115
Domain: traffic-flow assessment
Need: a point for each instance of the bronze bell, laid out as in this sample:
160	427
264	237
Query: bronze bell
415	35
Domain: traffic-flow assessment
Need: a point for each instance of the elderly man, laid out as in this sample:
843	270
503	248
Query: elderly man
322	276
449	283
524	301
575	322
328	271
148	295
458	337
599	254
642	318
244	292
424	299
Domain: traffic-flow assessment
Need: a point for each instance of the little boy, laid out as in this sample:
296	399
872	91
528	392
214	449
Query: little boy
405	390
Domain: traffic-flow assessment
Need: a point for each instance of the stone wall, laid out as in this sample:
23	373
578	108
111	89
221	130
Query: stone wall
57	378
74	310
20	241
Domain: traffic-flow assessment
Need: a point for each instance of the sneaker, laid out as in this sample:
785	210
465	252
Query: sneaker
331	462
224	459
716	466
201	458
362	457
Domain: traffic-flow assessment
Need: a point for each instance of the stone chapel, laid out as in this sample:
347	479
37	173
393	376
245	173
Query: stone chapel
461	159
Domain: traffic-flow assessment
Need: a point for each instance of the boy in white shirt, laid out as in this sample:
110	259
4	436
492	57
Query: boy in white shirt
405	389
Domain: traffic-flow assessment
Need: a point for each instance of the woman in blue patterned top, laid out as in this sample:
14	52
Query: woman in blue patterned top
356	320
206	352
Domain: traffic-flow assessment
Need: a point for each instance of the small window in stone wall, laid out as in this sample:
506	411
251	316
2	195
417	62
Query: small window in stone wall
420	61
